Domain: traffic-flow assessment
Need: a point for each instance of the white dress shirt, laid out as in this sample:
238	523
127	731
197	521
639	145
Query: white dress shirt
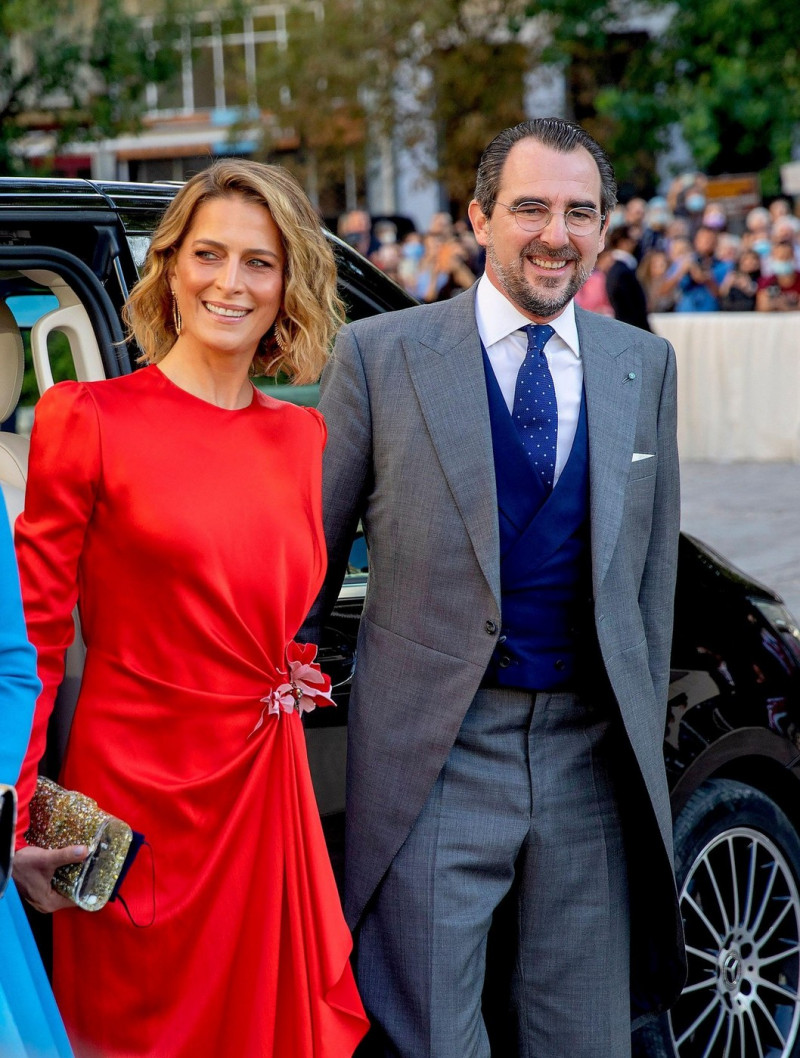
499	323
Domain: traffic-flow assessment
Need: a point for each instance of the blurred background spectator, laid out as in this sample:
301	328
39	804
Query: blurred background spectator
737	291
624	290
780	291
617	216
412	250
758	224
656	221
779	207
678	228
697	273
729	246
476	255
784	230
443	269
635	213
593	295
688	198
715	217
387	255
651	273
441	224
355	228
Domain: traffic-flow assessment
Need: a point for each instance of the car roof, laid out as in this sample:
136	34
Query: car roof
75	194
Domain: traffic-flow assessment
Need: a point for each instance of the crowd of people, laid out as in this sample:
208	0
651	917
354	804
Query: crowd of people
433	266
679	252
688	255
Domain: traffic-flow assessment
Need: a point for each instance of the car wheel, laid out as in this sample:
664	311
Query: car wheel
737	860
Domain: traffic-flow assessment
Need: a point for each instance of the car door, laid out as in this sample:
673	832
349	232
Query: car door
57	321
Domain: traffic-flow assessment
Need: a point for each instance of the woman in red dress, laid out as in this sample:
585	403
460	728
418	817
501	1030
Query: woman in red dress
180	506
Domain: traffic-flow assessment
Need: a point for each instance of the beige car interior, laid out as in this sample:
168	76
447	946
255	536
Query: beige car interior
70	319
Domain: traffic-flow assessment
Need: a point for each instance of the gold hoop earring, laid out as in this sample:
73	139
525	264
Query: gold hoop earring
177	319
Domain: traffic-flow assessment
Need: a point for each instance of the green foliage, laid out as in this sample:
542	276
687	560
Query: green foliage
727	72
739	91
476	89
61	364
378	67
315	89
80	70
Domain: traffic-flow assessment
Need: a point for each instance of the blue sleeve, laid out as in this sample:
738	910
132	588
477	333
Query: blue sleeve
19	684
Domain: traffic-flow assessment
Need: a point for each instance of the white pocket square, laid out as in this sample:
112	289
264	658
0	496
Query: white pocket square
641	455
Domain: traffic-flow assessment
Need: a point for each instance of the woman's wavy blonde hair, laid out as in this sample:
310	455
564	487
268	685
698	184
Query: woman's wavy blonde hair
311	311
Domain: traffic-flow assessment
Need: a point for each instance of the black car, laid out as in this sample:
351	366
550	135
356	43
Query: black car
69	254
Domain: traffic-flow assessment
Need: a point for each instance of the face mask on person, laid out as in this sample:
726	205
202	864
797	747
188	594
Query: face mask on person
761	246
414	251
658	221
781	268
695	202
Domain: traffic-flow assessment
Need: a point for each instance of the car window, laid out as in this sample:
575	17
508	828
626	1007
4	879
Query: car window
28	306
29	303
139	245
44	313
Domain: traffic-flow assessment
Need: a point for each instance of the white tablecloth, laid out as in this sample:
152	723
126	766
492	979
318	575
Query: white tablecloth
738	384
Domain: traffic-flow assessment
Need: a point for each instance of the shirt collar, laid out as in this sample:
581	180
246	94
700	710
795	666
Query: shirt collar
497	317
626	258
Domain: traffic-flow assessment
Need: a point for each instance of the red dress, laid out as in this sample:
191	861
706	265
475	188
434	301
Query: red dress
192	536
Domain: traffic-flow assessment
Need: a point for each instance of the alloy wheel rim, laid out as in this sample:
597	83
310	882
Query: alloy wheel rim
741	912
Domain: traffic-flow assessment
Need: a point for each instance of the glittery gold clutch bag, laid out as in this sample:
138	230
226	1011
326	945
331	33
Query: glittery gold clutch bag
8	821
62	817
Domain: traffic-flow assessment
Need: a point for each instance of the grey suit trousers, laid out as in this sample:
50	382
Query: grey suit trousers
526	808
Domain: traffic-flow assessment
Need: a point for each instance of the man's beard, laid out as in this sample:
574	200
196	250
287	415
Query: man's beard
532	301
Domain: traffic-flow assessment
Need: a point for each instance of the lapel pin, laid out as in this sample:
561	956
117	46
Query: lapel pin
630	376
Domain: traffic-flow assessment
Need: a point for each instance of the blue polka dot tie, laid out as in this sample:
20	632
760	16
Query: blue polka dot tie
535	411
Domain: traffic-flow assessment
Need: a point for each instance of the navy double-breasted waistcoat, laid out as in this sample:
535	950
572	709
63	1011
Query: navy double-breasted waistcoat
544	557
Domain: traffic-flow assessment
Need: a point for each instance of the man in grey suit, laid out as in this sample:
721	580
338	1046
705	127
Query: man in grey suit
513	462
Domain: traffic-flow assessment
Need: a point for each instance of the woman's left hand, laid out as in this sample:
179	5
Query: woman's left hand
33	871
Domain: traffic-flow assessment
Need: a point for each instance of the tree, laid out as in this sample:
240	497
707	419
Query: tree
727	74
74	69
369	69
736	83
476	89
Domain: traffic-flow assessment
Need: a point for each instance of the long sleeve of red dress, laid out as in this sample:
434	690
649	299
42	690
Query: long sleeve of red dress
49	535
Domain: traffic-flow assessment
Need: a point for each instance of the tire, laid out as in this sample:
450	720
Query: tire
737	861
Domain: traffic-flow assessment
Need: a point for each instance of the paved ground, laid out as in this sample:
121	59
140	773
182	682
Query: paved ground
750	513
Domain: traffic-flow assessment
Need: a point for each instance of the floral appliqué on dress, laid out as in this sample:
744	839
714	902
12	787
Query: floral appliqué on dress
307	685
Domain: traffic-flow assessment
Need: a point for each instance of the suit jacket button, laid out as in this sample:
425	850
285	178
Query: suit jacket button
561	665
491	628
504	661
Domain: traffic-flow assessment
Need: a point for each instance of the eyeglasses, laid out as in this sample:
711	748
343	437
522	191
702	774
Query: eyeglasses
535	216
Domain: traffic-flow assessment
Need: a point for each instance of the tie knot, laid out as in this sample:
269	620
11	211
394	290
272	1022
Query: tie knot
538	335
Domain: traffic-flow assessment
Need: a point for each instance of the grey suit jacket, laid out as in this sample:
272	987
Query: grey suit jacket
410	453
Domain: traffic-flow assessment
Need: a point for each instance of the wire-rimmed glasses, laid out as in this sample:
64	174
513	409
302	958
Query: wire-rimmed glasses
535	216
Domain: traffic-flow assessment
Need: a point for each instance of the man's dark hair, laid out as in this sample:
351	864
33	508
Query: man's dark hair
556	133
